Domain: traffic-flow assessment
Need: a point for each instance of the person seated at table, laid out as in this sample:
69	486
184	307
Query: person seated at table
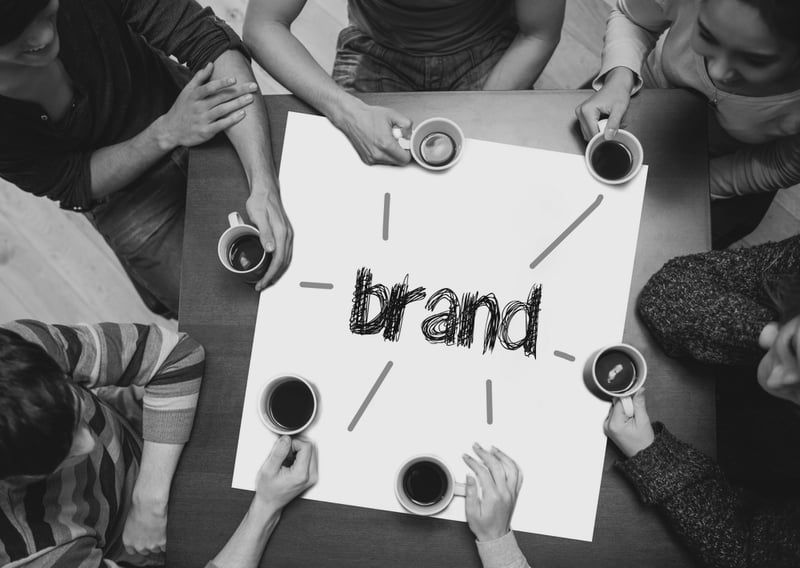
720	524
276	486
489	505
741	55
394	45
97	117
713	307
93	420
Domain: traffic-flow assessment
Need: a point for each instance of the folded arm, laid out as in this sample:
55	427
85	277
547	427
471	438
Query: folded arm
539	24
758	168
713	306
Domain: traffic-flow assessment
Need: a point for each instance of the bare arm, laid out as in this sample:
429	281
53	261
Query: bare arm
203	108
540	24
251	140
146	526
757	168
276	49
276	486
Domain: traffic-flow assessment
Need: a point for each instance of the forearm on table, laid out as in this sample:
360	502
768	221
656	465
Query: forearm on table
712	517
114	167
249	137
246	546
285	58
522	63
756	169
158	465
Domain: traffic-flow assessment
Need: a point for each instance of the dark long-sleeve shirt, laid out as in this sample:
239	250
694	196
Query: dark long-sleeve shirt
115	52
716	521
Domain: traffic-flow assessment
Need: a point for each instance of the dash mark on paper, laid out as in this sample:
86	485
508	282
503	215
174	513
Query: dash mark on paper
370	395
581	218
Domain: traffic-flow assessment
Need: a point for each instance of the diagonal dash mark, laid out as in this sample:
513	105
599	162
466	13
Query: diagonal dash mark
370	395
581	218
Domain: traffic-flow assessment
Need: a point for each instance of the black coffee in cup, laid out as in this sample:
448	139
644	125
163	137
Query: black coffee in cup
615	371
425	483
245	252
612	160
291	404
437	149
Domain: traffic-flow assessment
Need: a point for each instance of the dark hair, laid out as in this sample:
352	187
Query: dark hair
16	15
781	16
37	409
783	291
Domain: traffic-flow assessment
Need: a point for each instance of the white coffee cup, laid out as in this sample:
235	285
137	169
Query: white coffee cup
616	367
237	230
435	144
288	404
612	156
424	485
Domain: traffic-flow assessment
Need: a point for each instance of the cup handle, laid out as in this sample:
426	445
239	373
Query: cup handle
405	143
235	219
627	406
459	489
601	125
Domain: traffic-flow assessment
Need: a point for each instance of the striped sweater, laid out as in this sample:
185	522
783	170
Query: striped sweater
133	382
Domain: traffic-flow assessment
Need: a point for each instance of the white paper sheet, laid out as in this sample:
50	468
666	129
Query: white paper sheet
476	227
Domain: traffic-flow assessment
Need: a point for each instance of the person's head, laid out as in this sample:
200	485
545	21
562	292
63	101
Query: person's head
779	369
38	416
749	45
28	33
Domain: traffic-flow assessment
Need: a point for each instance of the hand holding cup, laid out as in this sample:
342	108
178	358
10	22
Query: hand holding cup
277	485
631	433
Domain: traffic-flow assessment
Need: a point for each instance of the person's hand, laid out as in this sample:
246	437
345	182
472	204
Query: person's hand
369	129
489	514
145	530
265	210
277	484
631	434
203	109
779	369
611	100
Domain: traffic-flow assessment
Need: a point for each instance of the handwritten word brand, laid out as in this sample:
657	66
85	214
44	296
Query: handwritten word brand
455	326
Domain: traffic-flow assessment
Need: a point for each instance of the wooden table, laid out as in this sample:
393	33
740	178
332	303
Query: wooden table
221	313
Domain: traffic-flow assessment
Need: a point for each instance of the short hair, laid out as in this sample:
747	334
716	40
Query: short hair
16	15
781	16
783	291
37	409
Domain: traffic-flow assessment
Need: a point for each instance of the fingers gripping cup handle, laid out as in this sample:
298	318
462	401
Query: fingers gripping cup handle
627	406
235	219
405	143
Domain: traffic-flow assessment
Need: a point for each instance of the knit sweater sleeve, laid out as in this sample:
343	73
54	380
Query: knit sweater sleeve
712	306
715	521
